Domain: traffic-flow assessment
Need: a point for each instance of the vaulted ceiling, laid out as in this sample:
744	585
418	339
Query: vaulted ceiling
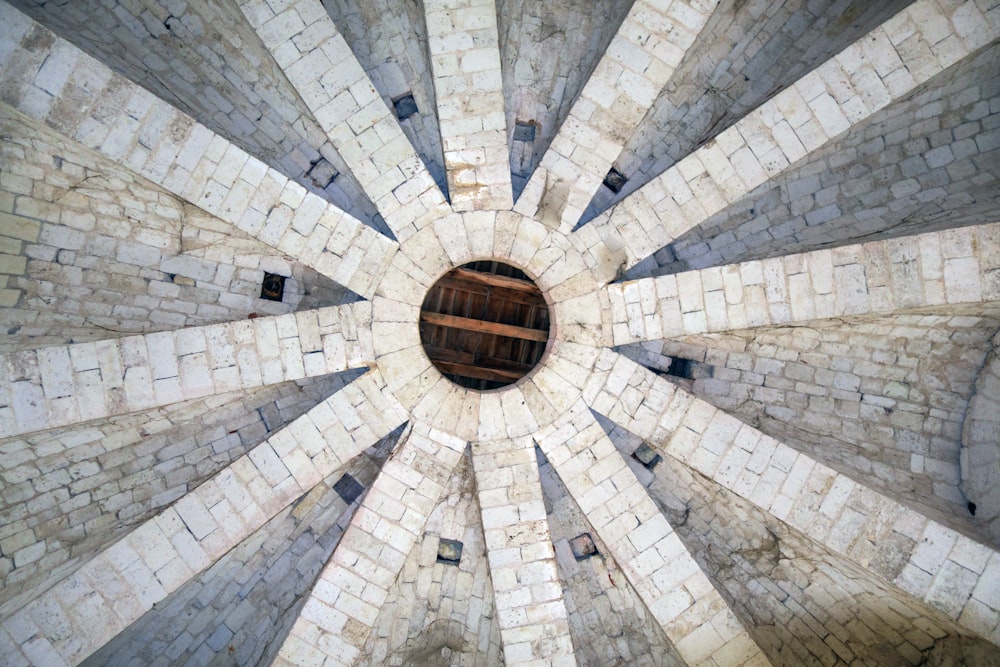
763	428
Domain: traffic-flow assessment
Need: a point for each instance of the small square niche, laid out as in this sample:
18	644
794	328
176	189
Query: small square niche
449	552
583	546
645	455
524	131
348	489
322	173
615	181
272	287
405	106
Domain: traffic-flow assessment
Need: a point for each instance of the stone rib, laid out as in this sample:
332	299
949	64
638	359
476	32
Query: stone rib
321	67
648	48
952	267
529	600
71	384
465	58
883	66
692	613
95	603
948	571
129	125
343	605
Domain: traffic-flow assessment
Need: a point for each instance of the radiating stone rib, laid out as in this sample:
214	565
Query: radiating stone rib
321	67
528	594
131	126
648	48
71	384
343	605
950	572
692	613
465	58
883	66
952	267
95	603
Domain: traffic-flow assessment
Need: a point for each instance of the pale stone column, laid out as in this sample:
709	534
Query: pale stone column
88	608
320	65
169	148
948	268
692	613
649	46
528	593
465	57
70	384
885	65
344	603
950	572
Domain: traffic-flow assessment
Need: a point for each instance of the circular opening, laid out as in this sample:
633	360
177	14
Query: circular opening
484	325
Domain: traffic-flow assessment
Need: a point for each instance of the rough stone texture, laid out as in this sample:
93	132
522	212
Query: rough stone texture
549	51
465	55
102	253
344	604
389	39
919	559
891	61
959	268
928	161
696	619
441	613
883	399
54	82
980	453
529	598
802	603
239	610
85	610
68	384
202	58
607	619
948	571
94	483
746	53
649	46
318	62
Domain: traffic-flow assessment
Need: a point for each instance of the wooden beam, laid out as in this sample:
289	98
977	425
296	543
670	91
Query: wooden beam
480	326
503	293
437	354
494	280
478	372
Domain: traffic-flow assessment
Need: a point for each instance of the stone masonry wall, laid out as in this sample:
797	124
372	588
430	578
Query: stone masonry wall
882	399
68	493
238	610
802	604
203	58
980	453
390	41
92	251
608	621
747	52
441	613
929	161
549	51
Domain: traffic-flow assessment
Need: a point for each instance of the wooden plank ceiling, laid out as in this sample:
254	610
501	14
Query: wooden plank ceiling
484	325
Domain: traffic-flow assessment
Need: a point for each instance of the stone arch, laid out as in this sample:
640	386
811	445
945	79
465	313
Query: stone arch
980	453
